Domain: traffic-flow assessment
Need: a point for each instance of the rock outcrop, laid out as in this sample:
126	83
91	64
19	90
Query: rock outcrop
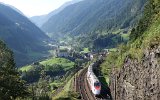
138	80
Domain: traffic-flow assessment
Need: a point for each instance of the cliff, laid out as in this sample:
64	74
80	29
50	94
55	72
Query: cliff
138	80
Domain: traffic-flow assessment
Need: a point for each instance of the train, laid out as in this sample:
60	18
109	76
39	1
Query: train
93	81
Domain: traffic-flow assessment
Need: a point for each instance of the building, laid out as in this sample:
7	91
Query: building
63	53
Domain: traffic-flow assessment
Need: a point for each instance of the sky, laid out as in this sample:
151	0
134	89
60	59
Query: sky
35	7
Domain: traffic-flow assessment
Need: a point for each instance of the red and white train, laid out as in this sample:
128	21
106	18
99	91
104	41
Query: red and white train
93	81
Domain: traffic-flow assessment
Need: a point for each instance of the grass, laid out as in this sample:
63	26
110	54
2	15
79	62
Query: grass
125	36
85	50
26	68
113	49
65	63
150	37
66	93
57	84
107	79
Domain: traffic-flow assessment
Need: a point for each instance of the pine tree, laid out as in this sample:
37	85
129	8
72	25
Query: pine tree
11	85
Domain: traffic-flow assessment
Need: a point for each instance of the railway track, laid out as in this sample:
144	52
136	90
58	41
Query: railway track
82	86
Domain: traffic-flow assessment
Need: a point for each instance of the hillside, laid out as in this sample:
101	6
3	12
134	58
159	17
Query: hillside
93	22
54	67
14	8
22	36
40	20
134	69
46	77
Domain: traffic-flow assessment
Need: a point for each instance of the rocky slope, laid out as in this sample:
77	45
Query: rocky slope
138	80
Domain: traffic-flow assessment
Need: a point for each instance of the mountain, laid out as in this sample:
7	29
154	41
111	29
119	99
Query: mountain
25	39
12	7
94	18
40	20
85	16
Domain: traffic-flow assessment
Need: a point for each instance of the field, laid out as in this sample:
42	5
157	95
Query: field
64	63
26	68
85	50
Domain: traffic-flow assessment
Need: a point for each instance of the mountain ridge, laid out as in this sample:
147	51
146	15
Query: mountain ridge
86	12
15	31
40	20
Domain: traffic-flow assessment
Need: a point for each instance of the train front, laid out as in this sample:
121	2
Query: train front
97	88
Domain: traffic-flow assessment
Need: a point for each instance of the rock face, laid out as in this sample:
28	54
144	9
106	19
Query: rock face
138	80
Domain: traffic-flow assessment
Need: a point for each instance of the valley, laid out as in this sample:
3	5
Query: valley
81	50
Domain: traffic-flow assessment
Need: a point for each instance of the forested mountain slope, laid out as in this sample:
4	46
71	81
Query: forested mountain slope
86	16
22	36
40	20
93	18
136	66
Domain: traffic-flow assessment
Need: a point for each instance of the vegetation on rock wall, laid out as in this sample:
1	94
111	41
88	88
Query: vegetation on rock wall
145	36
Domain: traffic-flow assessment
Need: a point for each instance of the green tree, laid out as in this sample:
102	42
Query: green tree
150	10
11	85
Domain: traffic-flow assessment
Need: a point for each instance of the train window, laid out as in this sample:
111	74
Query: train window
97	84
